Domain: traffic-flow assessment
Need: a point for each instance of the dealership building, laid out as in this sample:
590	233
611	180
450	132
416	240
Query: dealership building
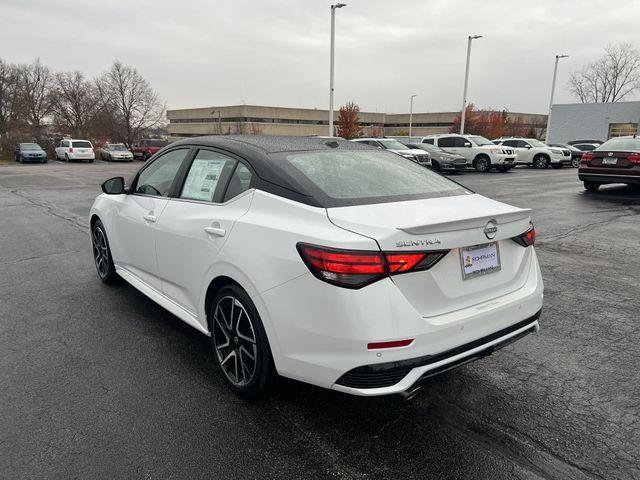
597	121
256	119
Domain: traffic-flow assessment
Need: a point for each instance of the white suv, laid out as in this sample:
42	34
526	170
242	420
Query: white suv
481	154
534	153
72	149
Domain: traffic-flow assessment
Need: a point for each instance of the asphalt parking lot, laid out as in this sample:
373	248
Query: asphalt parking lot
99	382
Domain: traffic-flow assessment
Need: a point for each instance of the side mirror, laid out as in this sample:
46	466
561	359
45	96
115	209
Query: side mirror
528	147
114	186
467	144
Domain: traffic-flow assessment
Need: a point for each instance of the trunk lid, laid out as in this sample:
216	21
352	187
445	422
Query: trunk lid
447	223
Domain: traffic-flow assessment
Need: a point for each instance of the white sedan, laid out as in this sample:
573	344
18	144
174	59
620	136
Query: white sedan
320	260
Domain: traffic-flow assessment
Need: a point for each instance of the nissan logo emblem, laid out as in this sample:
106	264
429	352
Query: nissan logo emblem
490	229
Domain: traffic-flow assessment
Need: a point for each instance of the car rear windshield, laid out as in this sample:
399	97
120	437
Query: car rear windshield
81	144
343	178
620	144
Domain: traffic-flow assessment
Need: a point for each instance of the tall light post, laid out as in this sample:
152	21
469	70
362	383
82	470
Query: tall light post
411	115
333	42
553	89
466	82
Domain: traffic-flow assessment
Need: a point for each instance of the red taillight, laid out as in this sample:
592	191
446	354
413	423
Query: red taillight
634	157
528	238
357	268
70	149
391	344
587	157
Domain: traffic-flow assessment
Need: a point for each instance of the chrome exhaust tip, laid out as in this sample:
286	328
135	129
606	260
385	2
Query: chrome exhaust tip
410	393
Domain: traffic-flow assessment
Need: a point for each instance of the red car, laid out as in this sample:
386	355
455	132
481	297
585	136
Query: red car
147	147
615	161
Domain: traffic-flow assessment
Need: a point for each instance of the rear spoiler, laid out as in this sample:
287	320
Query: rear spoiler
468	223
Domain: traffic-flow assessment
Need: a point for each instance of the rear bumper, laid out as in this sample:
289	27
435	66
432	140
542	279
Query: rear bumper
404	374
609	178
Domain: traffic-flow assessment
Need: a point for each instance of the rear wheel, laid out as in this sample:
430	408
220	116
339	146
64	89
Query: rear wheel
240	343
66	158
575	162
102	254
541	161
145	157
591	186
482	163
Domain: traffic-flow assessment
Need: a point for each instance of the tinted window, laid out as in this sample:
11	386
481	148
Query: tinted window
204	175
240	181
64	143
620	144
359	177
157	178
585	146
445	142
427	140
82	144
522	144
510	143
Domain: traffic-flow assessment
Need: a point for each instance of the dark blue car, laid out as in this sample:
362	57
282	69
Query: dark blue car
30	152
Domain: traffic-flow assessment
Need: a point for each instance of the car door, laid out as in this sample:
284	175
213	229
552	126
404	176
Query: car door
454	144
198	221
61	149
525	151
136	219
521	153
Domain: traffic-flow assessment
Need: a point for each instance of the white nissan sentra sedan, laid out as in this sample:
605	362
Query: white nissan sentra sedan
320	260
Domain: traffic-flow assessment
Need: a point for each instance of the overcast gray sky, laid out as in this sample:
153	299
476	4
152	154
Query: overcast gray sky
276	52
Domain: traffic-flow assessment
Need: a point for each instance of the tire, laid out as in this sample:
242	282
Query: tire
145	157
482	163
66	158
541	161
102	254
435	165
504	168
591	186
556	165
237	333
575	162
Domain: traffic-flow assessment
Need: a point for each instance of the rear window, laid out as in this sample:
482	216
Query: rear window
81	144
342	178
620	144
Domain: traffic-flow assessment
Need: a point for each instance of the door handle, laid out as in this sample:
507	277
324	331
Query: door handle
217	231
150	218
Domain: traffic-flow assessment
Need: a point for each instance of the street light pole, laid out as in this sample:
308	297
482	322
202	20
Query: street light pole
553	89
333	41
411	115
466	82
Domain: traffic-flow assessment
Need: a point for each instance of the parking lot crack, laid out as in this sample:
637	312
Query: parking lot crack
54	210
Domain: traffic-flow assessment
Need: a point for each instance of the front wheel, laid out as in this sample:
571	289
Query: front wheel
591	186
482	164
541	161
575	162
504	168
102	254
240	343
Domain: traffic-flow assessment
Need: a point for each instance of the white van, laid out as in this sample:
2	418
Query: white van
72	149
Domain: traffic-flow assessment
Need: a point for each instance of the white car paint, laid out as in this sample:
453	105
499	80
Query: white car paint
172	249
420	156
74	149
529	148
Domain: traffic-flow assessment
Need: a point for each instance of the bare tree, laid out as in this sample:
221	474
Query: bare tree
9	96
74	102
127	97
611	78
35	96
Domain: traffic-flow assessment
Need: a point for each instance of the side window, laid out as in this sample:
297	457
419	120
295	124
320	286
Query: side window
459	142
445	142
240	182
510	143
64	143
427	140
523	144
157	178
204	175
